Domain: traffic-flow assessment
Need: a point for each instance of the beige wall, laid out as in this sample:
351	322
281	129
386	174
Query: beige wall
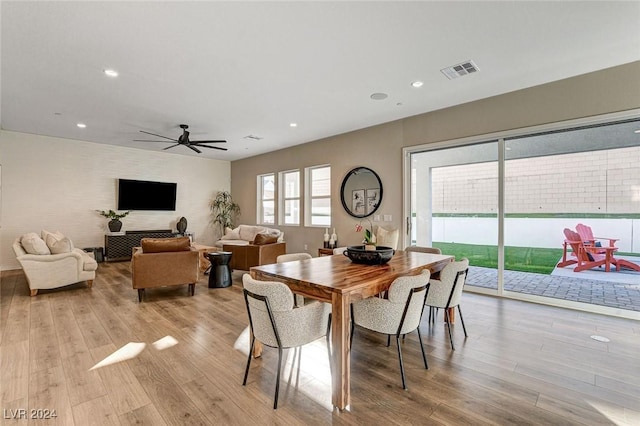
57	184
380	147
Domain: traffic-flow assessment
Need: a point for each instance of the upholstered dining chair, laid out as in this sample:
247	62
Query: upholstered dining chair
399	314
447	291
432	250
292	257
276	323
339	250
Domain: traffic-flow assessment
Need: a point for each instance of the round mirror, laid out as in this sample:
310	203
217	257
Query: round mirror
361	192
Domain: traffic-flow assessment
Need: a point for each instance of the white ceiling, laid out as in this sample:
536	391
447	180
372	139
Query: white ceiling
232	69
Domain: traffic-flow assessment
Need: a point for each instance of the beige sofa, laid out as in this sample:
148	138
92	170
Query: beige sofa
53	261
252	246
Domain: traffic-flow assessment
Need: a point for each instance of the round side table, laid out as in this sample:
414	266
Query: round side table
220	274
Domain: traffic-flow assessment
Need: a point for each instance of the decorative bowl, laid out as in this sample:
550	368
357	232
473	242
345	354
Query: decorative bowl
379	256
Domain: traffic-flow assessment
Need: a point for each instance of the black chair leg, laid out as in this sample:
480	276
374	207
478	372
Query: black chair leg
388	340
424	356
404	385
246	371
328	337
462	321
446	319
275	399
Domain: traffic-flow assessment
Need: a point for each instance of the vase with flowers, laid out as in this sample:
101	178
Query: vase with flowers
369	240
114	224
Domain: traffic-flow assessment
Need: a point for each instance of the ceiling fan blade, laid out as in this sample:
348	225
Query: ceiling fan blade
146	140
170	146
212	147
193	142
160	136
194	148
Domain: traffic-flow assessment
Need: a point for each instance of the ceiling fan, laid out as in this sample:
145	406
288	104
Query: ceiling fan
183	139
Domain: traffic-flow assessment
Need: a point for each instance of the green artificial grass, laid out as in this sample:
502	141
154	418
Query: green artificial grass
525	259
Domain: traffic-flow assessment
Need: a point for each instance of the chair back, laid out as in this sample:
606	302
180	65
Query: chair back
339	250
448	291
585	232
407	295
432	250
264	299
292	257
575	241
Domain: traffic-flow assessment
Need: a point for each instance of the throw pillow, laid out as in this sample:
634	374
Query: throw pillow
262	239
161	245
249	232
58	243
231	234
33	244
387	238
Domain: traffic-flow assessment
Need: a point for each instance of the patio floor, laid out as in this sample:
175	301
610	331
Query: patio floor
623	291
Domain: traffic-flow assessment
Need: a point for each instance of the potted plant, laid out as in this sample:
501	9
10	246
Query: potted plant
114	224
223	210
369	240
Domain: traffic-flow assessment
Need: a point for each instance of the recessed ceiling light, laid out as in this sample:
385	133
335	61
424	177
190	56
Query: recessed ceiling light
81	125
379	96
293	124
637	131
111	73
417	84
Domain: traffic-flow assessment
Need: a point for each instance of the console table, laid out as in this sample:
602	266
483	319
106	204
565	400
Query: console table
119	245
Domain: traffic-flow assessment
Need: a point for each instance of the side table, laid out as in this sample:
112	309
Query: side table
325	252
220	275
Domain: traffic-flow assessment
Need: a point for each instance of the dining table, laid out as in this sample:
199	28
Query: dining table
339	281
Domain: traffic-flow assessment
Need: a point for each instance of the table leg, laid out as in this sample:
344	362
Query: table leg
340	332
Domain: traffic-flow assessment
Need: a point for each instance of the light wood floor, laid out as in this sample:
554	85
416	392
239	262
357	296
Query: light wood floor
522	363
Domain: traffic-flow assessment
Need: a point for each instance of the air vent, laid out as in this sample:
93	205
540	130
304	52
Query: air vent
254	137
460	70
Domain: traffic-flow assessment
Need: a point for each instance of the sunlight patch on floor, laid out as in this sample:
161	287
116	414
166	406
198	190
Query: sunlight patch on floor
128	351
617	415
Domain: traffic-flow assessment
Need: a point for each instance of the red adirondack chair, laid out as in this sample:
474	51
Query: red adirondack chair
590	241
586	258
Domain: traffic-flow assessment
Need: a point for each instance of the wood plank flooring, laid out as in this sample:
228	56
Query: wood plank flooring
521	364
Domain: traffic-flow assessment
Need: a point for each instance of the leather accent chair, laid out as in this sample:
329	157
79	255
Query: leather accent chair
162	262
244	257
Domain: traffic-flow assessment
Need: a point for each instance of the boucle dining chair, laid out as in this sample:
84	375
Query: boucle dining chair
276	323
398	315
432	250
447	292
292	257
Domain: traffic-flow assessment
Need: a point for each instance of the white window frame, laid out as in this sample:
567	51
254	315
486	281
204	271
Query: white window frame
283	198
309	198
260	217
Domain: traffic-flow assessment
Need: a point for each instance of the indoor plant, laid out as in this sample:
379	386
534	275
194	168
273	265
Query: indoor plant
114	224
223	210
369	240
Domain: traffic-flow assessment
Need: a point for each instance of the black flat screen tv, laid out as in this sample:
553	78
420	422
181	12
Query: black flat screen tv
146	195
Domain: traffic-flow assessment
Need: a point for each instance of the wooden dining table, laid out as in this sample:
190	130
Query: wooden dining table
338	281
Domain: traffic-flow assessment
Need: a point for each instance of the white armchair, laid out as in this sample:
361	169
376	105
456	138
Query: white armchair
276	323
45	271
398	315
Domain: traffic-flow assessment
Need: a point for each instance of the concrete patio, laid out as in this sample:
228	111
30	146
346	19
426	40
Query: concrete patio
614	289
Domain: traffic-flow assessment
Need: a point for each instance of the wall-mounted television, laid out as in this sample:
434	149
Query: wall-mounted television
146	195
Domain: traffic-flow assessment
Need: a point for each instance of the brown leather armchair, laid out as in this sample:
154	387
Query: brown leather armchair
244	257
164	261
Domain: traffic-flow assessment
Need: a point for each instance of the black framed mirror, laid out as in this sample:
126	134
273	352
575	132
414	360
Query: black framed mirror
361	192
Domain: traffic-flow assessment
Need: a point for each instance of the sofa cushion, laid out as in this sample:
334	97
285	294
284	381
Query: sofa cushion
33	244
57	242
160	245
262	239
248	232
89	263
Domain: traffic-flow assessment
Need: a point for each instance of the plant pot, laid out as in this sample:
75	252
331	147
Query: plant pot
115	225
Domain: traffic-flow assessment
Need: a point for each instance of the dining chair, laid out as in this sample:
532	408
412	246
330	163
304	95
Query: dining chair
447	291
432	250
399	314
339	250
292	257
276	323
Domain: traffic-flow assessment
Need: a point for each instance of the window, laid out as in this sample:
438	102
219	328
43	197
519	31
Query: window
318	200
266	199
289	208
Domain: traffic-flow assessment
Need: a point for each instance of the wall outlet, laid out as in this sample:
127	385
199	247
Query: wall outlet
387	218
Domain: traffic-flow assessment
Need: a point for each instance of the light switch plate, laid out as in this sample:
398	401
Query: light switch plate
376	218
387	218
